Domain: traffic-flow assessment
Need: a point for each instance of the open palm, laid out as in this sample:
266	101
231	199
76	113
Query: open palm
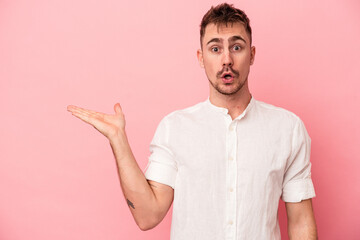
109	125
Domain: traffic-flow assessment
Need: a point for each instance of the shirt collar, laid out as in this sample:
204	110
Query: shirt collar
225	110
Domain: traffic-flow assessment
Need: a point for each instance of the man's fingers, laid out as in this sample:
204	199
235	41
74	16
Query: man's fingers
82	116
94	117
82	112
72	108
88	118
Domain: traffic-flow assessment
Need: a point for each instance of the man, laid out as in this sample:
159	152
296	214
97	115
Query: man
226	161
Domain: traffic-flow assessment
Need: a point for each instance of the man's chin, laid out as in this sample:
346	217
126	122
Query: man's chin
228	90
227	93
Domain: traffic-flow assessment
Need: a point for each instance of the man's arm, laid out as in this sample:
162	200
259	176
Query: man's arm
148	201
301	220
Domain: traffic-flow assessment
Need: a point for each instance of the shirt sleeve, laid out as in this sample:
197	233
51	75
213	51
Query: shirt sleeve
161	167
297	183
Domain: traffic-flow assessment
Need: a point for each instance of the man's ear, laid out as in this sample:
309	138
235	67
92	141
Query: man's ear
252	55
200	57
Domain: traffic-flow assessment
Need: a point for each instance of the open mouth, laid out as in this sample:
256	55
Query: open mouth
227	77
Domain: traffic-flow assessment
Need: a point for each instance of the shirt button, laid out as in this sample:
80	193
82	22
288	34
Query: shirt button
230	222
231	189
231	158
231	128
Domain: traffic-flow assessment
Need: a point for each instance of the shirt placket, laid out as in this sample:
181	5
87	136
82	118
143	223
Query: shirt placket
231	177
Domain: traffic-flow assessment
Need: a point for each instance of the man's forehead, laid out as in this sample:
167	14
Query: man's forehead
225	30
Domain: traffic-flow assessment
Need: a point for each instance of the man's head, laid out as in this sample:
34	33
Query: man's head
226	49
224	14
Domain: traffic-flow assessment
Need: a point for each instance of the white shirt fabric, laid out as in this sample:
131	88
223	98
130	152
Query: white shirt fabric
228	175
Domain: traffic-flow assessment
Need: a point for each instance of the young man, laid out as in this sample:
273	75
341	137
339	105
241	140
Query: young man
229	159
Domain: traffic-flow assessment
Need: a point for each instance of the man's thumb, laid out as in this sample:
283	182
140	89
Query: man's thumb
117	108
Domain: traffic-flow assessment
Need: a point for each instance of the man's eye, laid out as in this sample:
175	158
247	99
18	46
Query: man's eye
236	48
215	49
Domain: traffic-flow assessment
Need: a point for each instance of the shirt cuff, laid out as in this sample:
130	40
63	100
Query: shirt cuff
161	173
298	190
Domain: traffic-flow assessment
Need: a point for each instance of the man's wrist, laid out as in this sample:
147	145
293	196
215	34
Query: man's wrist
118	138
120	145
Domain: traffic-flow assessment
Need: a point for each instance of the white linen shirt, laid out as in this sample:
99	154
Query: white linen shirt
228	175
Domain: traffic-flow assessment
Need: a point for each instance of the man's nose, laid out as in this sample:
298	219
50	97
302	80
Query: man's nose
227	59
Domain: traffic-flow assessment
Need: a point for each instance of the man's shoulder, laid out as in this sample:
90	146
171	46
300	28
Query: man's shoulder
276	112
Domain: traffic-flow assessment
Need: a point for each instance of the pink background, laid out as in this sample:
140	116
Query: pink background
57	175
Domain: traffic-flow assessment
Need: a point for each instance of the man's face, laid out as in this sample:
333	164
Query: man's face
226	55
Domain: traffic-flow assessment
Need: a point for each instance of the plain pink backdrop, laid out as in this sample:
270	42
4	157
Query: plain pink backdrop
58	177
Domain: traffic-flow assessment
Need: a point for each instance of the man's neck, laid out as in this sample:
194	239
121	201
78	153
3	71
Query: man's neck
236	104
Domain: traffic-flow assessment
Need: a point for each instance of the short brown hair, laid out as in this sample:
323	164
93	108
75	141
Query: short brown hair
223	14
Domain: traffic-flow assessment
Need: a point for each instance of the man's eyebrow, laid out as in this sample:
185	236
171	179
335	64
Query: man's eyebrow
234	38
214	40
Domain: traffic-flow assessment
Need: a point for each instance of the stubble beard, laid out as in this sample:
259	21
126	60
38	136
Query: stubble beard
238	87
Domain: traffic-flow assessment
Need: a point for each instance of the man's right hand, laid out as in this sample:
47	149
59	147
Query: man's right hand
148	201
109	125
